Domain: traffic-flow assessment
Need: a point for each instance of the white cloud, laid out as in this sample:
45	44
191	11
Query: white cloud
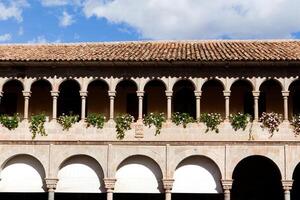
5	37
41	39
66	19
195	19
49	3
12	10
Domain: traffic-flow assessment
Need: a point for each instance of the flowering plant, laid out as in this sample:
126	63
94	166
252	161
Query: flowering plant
155	119
10	122
95	120
123	123
66	121
270	121
239	120
211	120
37	125
296	124
182	118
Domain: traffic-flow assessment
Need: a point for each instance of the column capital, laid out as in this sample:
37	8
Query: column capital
227	184
287	184
285	93
226	93
109	184
54	93
140	93
168	184
169	93
112	93
83	93
51	183
26	93
255	93
198	93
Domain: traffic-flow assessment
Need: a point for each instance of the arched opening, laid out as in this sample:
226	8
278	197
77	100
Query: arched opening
295	193
294	98
212	100
241	98
155	99
256	177
80	177
197	177
138	177
40	100
184	100
97	99
126	98
270	98
69	101
12	101
22	177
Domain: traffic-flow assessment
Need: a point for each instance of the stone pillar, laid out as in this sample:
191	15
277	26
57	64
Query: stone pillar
112	95
51	184
109	186
287	187
198	103
83	95
256	111
168	185
285	95
169	105
227	185
140	95
227	102
54	95
26	103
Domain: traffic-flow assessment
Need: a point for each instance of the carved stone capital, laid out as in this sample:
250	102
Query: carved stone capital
285	93
227	184
226	93
198	93
54	93
111	93
140	93
109	184
168	184
51	183
255	93
26	93
287	184
169	93
83	93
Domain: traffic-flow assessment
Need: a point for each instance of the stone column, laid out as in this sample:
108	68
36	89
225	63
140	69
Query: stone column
112	95
140	95
169	105
83	95
51	184
109	186
168	185
287	187
54	95
227	102
227	185
26	95
198	103
256	111
285	95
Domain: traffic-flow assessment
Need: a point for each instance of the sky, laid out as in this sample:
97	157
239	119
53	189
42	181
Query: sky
65	21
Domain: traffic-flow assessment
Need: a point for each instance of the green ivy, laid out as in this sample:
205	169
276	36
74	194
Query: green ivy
211	120
66	121
10	122
37	125
123	123
239	121
155	119
95	120
271	121
182	118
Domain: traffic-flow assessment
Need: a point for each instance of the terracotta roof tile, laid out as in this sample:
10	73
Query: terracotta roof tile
156	51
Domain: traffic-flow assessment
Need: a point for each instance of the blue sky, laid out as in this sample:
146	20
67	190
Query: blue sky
50	21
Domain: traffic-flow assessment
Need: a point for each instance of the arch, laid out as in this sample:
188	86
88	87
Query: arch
188	81
39	80
13	79
62	81
22	173
155	79
80	174
154	92
270	98
219	81
97	79
256	177
197	174
274	80
294	98
138	174
295	193
243	80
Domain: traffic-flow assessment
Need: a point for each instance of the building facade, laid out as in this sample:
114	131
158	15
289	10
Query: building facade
140	78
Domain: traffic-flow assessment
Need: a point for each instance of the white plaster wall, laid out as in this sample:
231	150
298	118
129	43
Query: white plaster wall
80	175
138	175
197	175
22	174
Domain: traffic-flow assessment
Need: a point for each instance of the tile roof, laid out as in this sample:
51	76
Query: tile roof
155	51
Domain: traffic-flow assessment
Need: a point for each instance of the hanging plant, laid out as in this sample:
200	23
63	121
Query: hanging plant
37	125
95	120
155	119
182	118
66	121
296	124
271	121
239	121
123	123
10	122
212	121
